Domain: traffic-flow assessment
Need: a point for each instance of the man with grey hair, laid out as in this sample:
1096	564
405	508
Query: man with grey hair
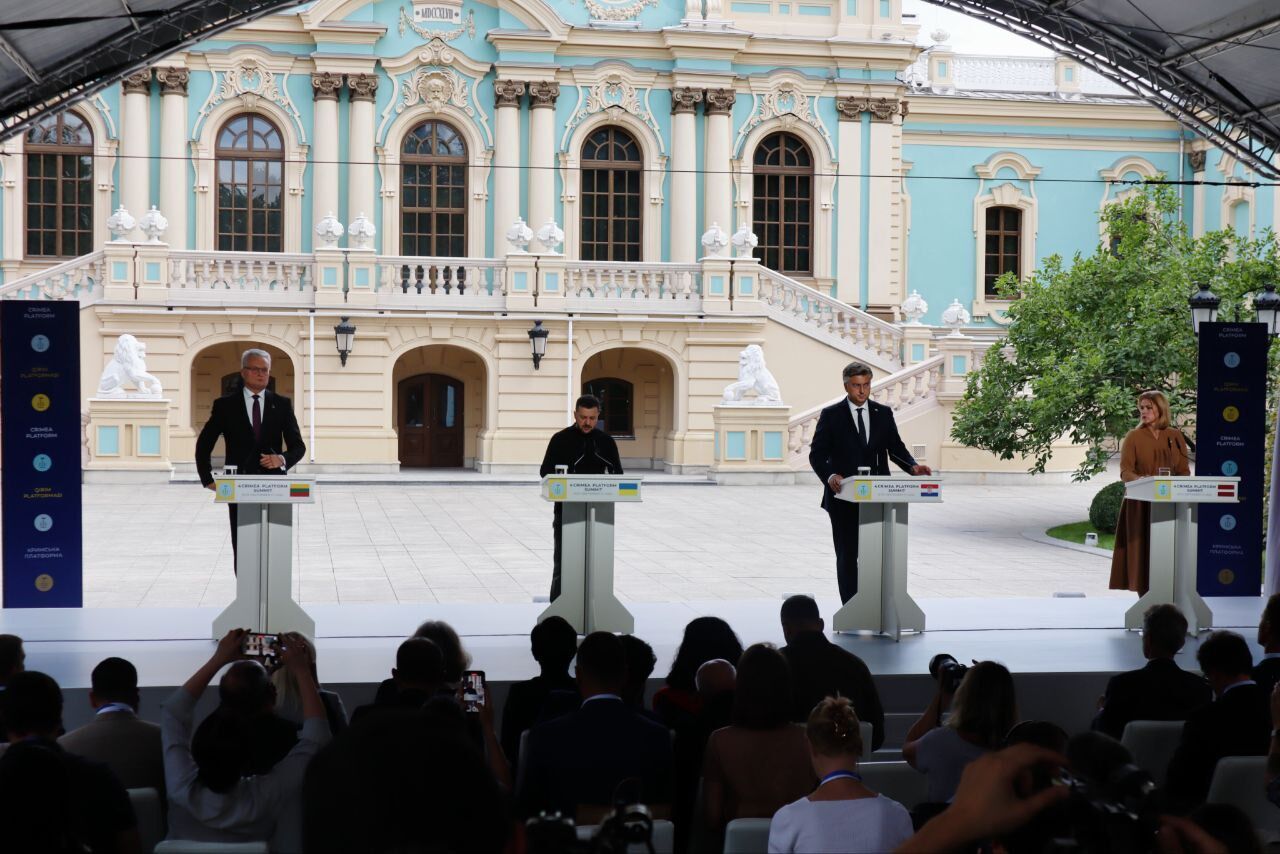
257	426
854	433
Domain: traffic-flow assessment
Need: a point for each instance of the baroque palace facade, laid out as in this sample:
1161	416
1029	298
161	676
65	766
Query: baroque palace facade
695	178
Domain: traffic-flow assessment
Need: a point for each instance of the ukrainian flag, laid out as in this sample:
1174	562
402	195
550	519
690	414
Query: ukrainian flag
628	489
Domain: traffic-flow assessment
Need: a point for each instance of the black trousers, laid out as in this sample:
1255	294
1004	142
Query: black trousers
557	522
844	536
231	514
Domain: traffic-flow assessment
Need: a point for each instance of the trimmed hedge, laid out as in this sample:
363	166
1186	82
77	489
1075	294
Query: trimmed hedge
1104	511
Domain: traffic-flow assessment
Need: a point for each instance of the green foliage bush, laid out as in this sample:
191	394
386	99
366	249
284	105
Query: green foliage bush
1104	512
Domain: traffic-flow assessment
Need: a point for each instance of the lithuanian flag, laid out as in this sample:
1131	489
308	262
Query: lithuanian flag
299	490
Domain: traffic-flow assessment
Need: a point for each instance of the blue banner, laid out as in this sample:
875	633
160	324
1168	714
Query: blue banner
1231	435
40	400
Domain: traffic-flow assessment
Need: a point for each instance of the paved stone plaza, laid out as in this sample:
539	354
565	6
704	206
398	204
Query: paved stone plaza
169	545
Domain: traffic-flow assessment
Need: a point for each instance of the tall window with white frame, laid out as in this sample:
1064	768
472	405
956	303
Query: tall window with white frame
782	203
59	154
433	191
250	166
611	204
1003	246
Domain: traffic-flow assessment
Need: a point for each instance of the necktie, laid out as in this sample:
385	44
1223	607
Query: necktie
257	419
862	426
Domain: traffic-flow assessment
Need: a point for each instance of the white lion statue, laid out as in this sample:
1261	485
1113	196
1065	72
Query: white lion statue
753	376
128	367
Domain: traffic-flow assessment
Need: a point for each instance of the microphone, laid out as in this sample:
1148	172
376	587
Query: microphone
901	461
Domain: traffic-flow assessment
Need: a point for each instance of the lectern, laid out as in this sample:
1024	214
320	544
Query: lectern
882	603
264	554
586	597
1171	573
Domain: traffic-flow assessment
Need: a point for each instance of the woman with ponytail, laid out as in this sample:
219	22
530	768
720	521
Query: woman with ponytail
842	814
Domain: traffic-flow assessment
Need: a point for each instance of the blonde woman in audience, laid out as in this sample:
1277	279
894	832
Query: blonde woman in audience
842	814
289	696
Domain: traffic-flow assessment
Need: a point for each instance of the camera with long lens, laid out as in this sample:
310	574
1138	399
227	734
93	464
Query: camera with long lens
625	826
947	672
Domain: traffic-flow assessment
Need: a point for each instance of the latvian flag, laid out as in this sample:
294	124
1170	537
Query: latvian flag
1226	490
928	490
299	490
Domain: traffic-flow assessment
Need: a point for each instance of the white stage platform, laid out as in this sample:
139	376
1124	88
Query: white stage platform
1061	650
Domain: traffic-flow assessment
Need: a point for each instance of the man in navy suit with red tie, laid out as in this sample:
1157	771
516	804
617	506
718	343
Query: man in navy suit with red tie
257	426
854	433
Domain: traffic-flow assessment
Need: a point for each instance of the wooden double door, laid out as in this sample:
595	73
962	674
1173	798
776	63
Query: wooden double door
430	422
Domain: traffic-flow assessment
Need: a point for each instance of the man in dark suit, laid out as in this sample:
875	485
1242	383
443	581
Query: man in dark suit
553	643
852	434
116	736
1160	691
418	677
1267	671
821	669
257	426
603	751
581	448
1236	723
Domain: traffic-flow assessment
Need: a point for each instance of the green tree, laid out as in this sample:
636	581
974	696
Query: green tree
1086	337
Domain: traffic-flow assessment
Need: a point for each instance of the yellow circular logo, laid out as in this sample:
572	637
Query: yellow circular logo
1230	414
1226	576
40	402
44	583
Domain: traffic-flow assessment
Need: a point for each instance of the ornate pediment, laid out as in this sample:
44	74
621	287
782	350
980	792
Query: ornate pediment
789	105
613	91
250	79
429	78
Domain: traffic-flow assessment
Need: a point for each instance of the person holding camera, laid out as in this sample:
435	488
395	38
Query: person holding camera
842	814
983	709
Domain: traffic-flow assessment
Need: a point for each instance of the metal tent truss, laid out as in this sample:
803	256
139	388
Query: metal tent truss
118	38
1190	71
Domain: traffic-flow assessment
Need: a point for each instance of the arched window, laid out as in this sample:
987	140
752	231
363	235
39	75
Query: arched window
433	191
615	398
250	160
59	152
1004	245
782	203
611	211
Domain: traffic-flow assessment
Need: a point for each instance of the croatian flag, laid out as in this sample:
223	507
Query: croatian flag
928	490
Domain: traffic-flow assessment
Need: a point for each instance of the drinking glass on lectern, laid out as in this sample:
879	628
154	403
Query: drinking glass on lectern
864	471
562	469
230	471
1164	472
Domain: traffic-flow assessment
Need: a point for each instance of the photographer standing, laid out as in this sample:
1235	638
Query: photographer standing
983	710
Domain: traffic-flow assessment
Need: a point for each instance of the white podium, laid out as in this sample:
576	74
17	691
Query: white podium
264	563
882	603
1171	573
586	597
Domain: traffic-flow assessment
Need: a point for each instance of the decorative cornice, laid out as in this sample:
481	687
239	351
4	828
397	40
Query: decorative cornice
684	99
173	79
364	87
720	101
325	85
506	93
137	83
1197	159
881	109
543	94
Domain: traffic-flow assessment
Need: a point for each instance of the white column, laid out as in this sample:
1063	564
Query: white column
506	161
718	204
883	187
684	185
135	143
360	174
175	178
542	147
849	202
324	184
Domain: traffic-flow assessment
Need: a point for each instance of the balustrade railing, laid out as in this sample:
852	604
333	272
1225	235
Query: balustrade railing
458	277
79	279
790	299
621	280
221	275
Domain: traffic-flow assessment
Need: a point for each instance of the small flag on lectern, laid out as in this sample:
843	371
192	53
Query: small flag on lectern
628	489
928	490
299	490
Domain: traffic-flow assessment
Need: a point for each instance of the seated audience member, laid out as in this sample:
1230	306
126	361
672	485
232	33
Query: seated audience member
289	700
1273	751
12	661
842	814
100	817
1044	734
216	791
404	787
553	643
715	682
1236	723
640	663
456	658
35	804
580	759
677	702
983	711
417	677
1160	691
116	737
761	761
821	669
1267	671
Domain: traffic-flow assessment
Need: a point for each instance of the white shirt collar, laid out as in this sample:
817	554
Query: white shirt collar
601	697
1236	685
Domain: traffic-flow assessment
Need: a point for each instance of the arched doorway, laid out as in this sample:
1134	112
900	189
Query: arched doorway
215	371
439	406
636	388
